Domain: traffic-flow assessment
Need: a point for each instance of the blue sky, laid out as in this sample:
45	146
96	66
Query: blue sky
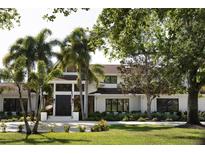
32	23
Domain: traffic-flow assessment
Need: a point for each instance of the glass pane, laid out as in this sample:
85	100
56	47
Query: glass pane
167	105
114	105
173	105
76	87
126	105
120	105
108	105
114	79
107	79
63	87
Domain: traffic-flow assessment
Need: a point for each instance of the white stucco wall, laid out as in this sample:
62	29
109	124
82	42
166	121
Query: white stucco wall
134	101
12	94
183	100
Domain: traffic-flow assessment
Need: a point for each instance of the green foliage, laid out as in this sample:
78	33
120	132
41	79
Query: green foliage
82	128
20	128
66	128
9	17
65	11
141	119
102	125
3	127
52	127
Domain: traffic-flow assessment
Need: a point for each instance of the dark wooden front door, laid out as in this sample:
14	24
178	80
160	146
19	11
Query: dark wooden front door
63	105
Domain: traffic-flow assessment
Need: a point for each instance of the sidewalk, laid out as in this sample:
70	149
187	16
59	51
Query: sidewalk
43	127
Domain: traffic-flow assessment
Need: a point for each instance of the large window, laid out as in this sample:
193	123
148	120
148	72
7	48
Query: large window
13	105
76	87
167	105
117	105
63	87
110	79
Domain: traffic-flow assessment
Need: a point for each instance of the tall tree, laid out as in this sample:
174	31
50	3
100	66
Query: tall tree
75	51
34	49
179	38
16	73
39	82
44	47
132	35
183	52
26	47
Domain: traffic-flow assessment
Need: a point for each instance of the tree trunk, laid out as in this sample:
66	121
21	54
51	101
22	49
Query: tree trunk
86	95
192	114
29	92
148	105
28	129
39	107
81	94
35	128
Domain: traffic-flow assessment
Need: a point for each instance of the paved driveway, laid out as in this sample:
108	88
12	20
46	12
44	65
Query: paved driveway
58	126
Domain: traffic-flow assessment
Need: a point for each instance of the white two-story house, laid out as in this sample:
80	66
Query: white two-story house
107	97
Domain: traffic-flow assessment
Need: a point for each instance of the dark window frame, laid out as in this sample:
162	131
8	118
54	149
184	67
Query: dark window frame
14	104
77	89
112	102
167	107
110	79
59	86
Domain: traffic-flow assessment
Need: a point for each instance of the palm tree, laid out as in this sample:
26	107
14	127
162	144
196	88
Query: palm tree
16	73
43	50
22	47
76	52
40	82
34	49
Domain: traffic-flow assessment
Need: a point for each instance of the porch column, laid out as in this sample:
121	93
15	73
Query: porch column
54	99
72	99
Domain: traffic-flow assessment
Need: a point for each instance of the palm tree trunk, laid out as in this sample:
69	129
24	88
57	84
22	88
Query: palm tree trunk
29	92
86	94
81	94
28	129
35	128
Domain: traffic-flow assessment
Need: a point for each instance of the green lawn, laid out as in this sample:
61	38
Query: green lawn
120	134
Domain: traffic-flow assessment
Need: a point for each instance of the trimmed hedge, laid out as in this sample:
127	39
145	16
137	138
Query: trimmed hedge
138	116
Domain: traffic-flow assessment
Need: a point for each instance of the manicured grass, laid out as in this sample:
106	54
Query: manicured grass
118	134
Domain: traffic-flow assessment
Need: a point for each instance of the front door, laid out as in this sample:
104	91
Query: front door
63	105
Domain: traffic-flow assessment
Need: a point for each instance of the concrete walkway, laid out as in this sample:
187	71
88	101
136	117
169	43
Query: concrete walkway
59	126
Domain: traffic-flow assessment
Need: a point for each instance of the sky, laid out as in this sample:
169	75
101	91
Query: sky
32	23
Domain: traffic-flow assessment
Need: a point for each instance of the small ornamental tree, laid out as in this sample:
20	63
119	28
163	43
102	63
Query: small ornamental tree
16	73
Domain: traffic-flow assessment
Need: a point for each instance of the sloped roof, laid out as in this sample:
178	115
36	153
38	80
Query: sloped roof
111	69
112	91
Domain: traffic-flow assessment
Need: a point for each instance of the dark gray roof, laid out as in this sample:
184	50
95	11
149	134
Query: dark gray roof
111	91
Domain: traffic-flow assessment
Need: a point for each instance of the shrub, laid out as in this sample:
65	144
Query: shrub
96	128
154	119
169	119
28	118
82	128
141	119
67	128
21	119
3	127
20	128
103	125
51	127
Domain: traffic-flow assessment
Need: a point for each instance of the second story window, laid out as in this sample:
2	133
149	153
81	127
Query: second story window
63	87
110	79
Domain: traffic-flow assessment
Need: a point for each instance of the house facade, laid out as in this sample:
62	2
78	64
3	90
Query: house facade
107	97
